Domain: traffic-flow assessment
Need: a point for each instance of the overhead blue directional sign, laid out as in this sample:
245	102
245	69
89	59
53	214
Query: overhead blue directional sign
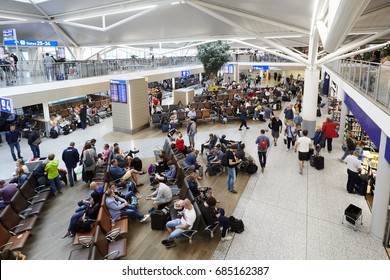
9	34
31	43
5	105
260	67
185	73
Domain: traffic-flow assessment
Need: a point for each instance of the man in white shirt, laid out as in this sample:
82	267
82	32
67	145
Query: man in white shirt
177	227
161	197
302	146
353	170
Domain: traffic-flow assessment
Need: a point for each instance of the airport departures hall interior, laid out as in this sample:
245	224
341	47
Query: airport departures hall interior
127	72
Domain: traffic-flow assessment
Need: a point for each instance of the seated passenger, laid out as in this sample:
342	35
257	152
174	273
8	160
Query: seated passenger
161	197
119	207
122	160
162	162
166	176
180	143
124	174
199	193
191	163
211	215
81	220
210	143
7	191
178	226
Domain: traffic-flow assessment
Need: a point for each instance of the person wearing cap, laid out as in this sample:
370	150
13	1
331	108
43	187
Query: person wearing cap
161	197
13	137
178	226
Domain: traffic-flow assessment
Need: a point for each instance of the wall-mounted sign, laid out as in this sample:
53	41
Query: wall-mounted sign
31	43
9	34
118	90
228	69
5	105
260	67
185	74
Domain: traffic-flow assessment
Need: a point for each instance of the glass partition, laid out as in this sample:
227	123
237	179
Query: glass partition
372	79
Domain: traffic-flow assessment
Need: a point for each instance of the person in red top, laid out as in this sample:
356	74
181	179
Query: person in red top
330	130
179	142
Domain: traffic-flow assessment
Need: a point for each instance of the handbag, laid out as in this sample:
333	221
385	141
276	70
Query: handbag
37	142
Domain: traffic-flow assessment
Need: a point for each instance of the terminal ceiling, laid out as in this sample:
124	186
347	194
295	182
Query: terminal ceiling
278	25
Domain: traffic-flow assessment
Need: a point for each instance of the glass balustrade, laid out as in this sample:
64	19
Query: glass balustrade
372	79
34	72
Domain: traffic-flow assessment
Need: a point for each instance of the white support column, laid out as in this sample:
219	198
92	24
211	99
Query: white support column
382	193
46	117
309	105
237	73
173	84
200	79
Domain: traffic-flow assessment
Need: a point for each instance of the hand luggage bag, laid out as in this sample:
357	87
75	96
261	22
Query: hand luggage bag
312	160
158	220
319	162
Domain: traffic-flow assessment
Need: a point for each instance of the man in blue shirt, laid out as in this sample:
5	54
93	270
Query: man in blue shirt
13	137
71	157
123	174
262	146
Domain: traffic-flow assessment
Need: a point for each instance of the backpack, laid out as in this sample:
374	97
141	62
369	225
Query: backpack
88	160
151	169
224	160
263	144
53	133
251	168
236	225
131	186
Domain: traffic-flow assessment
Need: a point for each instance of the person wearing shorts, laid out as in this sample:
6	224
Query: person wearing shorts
302	146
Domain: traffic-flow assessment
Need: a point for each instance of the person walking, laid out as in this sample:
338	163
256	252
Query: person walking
53	175
70	156
291	134
303	146
34	140
262	146
267	116
243	116
276	126
330	130
13	137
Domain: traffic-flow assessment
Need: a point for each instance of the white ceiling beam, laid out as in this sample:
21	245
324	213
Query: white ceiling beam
267	50
83	25
8	22
137	15
188	46
299	52
12	14
342	17
369	49
351	46
368	30
64	34
376	11
236	12
230	22
60	35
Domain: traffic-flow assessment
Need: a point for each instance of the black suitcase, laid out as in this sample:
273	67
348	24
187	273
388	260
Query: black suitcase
319	112
91	121
137	163
158	220
97	119
251	168
361	188
319	162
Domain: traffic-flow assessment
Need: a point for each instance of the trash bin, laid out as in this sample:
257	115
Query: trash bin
352	214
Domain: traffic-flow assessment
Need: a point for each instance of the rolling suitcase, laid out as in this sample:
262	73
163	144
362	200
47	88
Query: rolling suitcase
319	162
97	119
361	188
158	220
319	112
164	127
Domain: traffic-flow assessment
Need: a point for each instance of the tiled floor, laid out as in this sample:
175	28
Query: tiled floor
286	215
